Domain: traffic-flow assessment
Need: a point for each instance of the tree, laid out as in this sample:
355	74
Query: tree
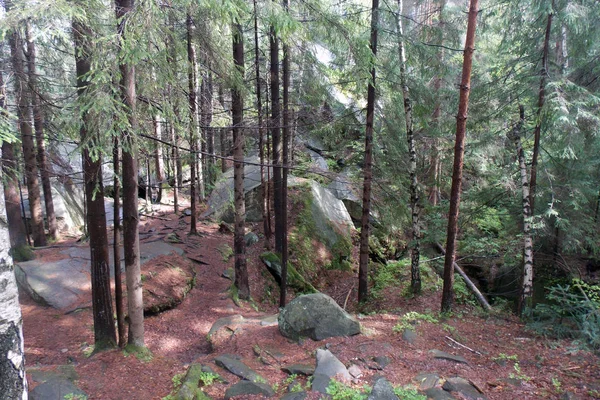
131	239
193	125
16	227
29	153
13	384
237	112
415	281
276	138
159	163
363	268
538	124
38	123
104	327
459	149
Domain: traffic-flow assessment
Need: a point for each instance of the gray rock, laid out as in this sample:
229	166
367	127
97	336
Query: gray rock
251	238
244	387
329	365
238	368
442	355
56	388
270	320
299	369
427	381
220	204
225	321
318	160
409	336
464	388
355	371
294	396
60	283
320	383
382	390
438	394
229	273
569	396
316	316
332	220
382	361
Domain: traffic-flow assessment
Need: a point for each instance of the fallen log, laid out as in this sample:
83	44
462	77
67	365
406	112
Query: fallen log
478	295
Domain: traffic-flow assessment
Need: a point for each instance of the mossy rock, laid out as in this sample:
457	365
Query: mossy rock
189	389
295	279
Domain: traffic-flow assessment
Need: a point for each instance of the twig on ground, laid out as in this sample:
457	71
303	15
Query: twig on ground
463	346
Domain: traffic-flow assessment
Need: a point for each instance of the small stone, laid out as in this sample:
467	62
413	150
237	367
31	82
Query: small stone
238	368
409	335
244	387
382	361
271	320
355	371
438	394
442	355
251	238
463	387
229	273
64	350
427	381
299	369
294	396
329	365
382	390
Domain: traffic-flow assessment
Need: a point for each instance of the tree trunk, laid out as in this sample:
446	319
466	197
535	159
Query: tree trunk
159	163
104	327
237	107
13	384
285	159
223	145
261	150
117	230
363	268
10	183
193	125
538	124
38	124
206	112
276	137
131	238
526	292
459	150
415	281
176	166
29	154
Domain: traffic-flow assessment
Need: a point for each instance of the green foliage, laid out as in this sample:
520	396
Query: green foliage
413	318
22	253
408	394
462	294
140	352
572	311
72	396
339	391
226	251
208	378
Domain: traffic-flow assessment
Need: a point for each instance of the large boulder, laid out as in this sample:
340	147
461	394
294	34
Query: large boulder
220	201
316	316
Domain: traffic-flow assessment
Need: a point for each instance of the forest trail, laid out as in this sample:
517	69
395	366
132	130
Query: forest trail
506	362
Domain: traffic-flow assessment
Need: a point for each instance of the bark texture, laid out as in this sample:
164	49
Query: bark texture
27	142
16	227
527	276
266	216
38	124
415	278
363	266
131	239
237	103
193	125
276	138
13	384
117	231
538	124
104	327
459	151
159	163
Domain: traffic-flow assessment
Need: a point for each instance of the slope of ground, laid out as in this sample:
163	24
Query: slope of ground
504	360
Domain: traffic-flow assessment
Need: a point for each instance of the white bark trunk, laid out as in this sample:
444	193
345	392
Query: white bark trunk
13	384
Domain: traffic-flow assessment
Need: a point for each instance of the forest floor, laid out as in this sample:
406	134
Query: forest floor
505	360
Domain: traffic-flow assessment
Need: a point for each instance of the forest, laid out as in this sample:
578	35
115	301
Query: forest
343	199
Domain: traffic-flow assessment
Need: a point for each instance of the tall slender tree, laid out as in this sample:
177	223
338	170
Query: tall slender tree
131	237
38	124
415	281
16	227
459	151
363	267
237	108
276	137
104	327
193	124
28	145
538	124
